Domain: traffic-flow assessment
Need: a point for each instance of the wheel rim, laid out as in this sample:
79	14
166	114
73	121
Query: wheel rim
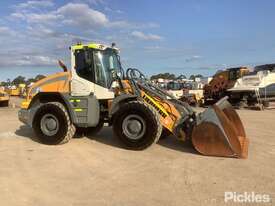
49	124
134	126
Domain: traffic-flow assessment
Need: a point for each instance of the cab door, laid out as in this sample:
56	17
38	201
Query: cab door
103	77
82	83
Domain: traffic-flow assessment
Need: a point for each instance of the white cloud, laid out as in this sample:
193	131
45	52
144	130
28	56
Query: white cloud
36	18
49	18
150	25
35	4
82	15
79	15
6	31
95	2
51	30
193	58
108	9
36	60
153	48
18	15
26	60
142	36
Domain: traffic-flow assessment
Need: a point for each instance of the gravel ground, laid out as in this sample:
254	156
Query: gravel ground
97	171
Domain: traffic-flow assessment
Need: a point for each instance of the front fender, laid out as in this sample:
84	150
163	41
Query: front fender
119	99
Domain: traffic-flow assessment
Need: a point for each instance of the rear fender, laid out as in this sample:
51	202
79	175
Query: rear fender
83	111
44	97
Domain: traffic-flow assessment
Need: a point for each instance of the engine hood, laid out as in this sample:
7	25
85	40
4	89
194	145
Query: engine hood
58	82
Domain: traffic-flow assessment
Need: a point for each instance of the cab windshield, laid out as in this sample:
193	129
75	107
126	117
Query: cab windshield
174	86
106	64
97	66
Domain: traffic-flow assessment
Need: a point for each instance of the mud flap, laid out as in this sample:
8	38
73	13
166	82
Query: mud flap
220	132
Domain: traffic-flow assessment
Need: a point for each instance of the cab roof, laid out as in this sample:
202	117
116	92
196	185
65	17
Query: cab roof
92	46
236	68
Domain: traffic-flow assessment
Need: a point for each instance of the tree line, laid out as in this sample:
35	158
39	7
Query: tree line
173	76
22	80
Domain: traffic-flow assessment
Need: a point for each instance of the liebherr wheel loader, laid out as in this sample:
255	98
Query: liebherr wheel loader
96	90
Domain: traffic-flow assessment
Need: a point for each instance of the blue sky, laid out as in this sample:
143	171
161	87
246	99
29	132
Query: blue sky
181	37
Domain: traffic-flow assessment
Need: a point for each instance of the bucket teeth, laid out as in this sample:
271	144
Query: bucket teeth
220	132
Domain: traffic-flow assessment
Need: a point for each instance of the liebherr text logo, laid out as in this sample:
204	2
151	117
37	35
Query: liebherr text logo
149	101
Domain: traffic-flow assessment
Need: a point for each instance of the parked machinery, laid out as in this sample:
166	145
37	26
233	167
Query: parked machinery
255	89
96	90
175	88
221	82
4	97
13	90
186	92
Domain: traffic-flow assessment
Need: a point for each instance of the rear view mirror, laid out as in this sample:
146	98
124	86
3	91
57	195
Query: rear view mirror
62	65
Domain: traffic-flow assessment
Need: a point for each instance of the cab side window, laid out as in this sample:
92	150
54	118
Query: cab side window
232	75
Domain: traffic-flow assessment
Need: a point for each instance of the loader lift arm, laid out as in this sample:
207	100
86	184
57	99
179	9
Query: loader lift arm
225	134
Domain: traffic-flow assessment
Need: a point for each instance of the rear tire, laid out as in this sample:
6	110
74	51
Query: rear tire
137	125
52	124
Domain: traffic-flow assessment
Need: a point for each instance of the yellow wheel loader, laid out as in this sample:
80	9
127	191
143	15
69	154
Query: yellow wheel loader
4	98
96	91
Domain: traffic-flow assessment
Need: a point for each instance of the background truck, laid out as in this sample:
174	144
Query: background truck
221	82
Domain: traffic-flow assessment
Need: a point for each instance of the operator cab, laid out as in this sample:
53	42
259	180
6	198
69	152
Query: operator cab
95	68
175	85
236	73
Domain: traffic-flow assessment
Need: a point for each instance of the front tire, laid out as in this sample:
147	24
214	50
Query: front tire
137	125
52	124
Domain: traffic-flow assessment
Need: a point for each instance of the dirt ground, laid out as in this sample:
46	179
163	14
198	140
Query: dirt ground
97	171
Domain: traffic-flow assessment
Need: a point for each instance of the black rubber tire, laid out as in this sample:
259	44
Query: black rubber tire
242	105
266	104
152	122
89	131
65	132
165	133
4	103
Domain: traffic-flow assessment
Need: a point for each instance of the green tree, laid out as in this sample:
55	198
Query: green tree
39	77
19	80
182	76
6	83
164	76
30	80
192	77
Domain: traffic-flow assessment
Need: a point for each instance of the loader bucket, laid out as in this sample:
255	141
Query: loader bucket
220	132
